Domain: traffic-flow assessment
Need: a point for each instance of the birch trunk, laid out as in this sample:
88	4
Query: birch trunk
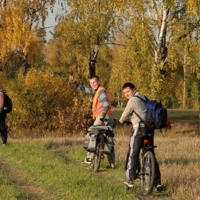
3	3
160	53
184	79
92	61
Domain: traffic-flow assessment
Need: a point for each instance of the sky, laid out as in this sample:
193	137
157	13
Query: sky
50	21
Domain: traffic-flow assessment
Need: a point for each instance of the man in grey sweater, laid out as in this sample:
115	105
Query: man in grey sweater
136	141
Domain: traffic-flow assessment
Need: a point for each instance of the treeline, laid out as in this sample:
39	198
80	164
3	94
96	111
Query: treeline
154	44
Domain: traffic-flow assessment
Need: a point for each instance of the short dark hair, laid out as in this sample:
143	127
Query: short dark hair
94	76
128	85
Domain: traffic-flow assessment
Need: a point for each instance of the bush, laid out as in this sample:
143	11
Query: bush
45	101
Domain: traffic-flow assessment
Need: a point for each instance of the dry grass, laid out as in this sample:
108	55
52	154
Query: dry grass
178	153
179	160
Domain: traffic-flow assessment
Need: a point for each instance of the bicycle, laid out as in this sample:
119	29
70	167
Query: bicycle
146	169
100	142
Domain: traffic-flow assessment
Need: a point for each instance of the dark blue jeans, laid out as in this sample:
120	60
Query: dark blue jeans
3	129
136	143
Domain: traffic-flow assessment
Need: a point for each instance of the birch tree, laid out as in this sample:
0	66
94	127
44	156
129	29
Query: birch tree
17	19
157	21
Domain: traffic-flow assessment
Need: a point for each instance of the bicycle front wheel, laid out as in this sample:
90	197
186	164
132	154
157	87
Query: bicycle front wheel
148	173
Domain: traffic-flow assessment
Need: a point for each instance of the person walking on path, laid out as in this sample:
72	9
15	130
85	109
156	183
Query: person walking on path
3	128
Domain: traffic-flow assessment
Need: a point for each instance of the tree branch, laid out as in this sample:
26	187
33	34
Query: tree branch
123	32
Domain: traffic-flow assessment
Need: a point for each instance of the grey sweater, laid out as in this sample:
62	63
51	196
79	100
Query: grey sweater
101	98
138	106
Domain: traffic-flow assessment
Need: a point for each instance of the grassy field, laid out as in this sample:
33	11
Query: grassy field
51	169
174	115
42	169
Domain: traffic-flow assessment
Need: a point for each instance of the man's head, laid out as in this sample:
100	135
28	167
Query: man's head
128	90
94	82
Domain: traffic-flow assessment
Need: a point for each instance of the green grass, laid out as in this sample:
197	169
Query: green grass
48	169
8	189
188	116
58	173
174	115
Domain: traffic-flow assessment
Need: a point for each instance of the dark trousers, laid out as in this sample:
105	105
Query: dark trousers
136	143
3	129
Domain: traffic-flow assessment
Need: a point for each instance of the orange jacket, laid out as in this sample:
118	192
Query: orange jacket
97	107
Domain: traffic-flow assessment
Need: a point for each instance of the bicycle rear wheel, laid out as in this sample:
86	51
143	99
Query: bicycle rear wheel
97	158
148	173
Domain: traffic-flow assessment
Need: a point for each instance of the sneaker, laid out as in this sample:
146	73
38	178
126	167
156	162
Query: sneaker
3	145
87	161
159	187
112	166
129	183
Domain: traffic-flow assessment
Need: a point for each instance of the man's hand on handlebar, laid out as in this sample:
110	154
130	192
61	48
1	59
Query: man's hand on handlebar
103	120
127	122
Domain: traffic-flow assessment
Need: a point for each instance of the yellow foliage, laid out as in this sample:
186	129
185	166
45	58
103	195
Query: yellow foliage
51	51
16	26
193	7
43	100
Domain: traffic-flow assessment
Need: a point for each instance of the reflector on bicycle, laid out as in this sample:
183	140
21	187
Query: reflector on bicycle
146	141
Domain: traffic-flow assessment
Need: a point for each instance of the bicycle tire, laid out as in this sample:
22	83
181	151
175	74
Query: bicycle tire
147	173
97	159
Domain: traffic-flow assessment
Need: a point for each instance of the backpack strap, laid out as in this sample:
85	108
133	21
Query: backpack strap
137	115
134	110
146	99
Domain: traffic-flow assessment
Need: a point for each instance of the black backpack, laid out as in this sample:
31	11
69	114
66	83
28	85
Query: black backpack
8	106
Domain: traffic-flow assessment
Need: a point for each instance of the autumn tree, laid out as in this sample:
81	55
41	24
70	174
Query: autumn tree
18	18
87	26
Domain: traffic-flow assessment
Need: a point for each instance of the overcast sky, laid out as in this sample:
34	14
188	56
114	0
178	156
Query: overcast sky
50	21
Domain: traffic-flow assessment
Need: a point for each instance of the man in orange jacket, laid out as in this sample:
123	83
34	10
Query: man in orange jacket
101	109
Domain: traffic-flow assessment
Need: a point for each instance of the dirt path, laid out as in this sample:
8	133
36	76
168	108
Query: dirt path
32	192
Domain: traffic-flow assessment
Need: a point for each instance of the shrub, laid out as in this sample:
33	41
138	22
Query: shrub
45	101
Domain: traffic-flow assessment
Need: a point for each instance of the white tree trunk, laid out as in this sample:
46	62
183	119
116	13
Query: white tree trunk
184	79
3	3
161	46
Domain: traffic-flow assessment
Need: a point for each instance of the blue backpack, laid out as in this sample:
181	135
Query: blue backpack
156	114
